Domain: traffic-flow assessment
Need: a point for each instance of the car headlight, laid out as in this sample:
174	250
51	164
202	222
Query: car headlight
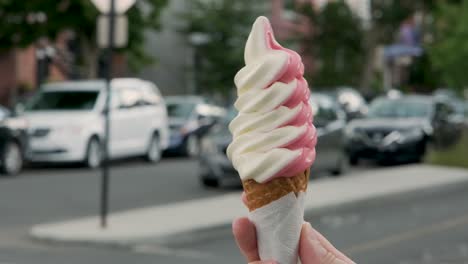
411	134
403	136
391	138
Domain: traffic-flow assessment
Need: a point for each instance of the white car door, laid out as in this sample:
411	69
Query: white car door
142	115
153	115
123	123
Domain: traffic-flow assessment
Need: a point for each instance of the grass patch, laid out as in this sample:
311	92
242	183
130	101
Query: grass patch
456	156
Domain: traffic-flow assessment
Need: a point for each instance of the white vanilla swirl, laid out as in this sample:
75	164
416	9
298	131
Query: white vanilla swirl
273	130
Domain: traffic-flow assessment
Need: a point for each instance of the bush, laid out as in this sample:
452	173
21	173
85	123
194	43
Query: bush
456	155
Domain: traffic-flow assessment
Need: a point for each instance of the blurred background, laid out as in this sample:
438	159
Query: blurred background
389	95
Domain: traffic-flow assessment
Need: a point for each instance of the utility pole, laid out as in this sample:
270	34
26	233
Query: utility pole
112	32
105	163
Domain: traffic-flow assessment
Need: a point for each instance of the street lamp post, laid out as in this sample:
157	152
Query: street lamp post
111	8
105	165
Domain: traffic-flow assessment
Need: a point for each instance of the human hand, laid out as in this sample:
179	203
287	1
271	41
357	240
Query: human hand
313	247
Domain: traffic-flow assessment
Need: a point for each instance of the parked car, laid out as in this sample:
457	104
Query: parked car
352	102
216	169
67	121
13	142
458	104
399	129
190	117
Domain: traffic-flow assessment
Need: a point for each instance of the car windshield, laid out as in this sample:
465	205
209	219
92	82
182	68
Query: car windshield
400	108
63	100
180	109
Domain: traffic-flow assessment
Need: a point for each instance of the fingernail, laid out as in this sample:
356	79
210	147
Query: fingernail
319	250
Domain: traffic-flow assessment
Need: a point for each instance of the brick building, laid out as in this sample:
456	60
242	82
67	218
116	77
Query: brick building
19	67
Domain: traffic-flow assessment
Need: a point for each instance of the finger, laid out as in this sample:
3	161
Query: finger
244	198
263	262
246	238
330	247
314	250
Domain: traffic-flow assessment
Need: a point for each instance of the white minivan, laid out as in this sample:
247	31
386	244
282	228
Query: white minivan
66	121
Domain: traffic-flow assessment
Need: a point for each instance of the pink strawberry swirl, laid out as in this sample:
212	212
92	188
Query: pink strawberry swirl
273	134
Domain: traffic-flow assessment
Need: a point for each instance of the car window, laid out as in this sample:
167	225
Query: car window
400	108
329	114
180	109
62	100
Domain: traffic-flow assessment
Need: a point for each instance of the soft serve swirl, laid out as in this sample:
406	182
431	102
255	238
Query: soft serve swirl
273	135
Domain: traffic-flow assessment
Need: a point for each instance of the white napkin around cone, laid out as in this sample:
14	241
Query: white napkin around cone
278	227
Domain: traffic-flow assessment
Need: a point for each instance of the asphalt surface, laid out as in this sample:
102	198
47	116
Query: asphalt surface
431	227
50	194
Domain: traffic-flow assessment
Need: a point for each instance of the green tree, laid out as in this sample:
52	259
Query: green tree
449	50
225	25
386	18
337	44
24	22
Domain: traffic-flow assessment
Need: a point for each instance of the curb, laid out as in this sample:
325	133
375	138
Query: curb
208	233
203	234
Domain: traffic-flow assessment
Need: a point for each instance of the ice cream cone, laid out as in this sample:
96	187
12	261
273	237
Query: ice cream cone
261	194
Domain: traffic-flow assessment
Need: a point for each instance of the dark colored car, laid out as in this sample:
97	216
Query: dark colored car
399	129
329	119
13	142
189	118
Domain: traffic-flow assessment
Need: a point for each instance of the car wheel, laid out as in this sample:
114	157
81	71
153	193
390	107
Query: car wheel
154	152
341	165
192	146
93	154
12	159
210	182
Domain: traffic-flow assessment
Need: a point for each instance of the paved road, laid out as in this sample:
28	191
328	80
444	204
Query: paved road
426	229
52	194
43	195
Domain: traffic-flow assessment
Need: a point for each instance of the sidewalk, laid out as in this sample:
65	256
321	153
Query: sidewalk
161	222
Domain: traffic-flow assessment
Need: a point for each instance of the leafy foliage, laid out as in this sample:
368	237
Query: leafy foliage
225	25
337	44
448	50
22	24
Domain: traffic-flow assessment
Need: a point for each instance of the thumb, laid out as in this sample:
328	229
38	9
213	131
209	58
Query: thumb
313	251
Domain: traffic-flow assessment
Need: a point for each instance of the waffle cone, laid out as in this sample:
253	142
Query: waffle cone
261	194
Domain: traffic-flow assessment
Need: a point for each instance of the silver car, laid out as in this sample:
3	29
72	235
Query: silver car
330	121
